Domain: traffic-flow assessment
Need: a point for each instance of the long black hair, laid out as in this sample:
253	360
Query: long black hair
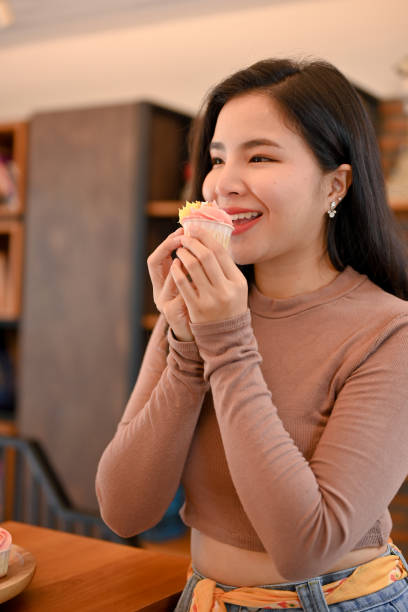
327	111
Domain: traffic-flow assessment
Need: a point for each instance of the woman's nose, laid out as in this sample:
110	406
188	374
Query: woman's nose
228	181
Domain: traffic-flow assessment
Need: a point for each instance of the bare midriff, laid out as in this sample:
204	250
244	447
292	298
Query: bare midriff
234	566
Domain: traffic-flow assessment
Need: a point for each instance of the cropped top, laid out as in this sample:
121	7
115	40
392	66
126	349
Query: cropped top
287	426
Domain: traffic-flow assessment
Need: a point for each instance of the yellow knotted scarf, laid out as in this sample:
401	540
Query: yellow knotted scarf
366	579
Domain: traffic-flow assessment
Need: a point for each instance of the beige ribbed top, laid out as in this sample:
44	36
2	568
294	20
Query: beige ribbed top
288	427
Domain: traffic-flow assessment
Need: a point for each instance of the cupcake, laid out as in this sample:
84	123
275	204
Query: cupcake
5	546
209	216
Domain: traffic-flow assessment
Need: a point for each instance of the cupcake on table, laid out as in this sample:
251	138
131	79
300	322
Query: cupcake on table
5	547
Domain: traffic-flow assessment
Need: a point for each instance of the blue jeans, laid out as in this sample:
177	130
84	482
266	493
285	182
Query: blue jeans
393	598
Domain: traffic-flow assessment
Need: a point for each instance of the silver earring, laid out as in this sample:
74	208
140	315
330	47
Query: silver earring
332	210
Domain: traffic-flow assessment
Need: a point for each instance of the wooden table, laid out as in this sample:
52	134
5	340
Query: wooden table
75	573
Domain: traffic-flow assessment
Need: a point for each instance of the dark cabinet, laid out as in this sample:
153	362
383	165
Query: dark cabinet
93	174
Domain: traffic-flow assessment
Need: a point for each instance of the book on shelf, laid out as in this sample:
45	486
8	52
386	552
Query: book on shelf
8	183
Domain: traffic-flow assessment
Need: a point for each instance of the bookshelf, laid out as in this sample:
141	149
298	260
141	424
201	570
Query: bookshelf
13	152
13	156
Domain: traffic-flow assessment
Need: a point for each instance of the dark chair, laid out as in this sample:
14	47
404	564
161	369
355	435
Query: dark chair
31	493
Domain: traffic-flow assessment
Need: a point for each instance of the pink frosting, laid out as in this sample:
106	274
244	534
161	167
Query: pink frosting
5	539
211	212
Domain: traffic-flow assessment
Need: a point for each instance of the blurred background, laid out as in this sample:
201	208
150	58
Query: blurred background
96	101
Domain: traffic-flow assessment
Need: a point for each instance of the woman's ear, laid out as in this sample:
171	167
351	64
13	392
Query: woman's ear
340	181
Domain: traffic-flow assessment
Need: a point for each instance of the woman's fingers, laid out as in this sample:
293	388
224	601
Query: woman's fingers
214	258
170	302
218	289
194	270
169	290
160	260
185	287
202	279
176	314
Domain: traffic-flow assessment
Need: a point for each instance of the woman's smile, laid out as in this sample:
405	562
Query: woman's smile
243	219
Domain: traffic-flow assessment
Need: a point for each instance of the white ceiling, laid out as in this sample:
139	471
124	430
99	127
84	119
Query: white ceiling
43	19
71	53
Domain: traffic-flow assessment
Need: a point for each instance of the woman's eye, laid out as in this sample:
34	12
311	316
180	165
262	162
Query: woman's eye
216	161
261	158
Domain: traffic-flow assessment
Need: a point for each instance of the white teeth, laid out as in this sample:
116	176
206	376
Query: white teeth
246	215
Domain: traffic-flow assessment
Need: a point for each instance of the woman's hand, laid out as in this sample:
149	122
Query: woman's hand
211	285
165	293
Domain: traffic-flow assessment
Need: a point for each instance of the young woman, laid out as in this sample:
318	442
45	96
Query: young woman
275	383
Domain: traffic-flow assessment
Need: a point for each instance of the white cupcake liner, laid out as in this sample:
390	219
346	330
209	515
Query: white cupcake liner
4	560
221	231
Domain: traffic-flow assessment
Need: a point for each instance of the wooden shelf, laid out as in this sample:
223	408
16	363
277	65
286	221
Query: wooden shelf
149	321
7	427
401	205
13	145
164	208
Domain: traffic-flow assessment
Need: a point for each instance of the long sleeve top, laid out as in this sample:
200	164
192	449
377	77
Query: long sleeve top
287	425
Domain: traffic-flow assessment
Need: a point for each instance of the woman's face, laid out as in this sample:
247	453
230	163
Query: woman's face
266	176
